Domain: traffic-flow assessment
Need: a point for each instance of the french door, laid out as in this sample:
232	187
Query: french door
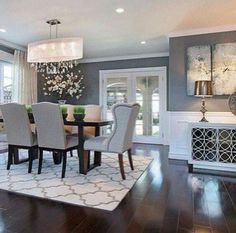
147	87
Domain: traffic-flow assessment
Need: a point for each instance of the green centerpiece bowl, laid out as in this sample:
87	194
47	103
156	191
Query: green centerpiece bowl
64	111
79	113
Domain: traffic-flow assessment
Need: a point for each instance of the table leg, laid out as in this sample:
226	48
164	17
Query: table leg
35	153
56	157
97	154
81	148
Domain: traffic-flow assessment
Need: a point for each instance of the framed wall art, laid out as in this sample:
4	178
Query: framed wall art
224	68
198	65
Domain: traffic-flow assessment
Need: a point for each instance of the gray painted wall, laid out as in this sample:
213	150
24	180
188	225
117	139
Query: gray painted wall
91	77
177	95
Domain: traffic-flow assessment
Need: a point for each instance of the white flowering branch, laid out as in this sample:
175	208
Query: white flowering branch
64	85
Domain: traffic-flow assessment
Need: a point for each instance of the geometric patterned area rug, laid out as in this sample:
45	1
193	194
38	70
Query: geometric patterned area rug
3	141
101	188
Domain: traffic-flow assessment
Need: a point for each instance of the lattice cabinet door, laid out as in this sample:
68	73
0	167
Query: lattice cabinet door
204	144
227	145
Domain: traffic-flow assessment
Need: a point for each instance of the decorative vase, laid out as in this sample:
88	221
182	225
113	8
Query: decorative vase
62	102
79	117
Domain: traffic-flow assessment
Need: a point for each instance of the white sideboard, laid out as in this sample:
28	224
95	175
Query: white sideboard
178	129
212	146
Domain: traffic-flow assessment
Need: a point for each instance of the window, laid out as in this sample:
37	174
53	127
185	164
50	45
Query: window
6	82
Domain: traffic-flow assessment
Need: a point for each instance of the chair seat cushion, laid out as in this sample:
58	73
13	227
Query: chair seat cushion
96	143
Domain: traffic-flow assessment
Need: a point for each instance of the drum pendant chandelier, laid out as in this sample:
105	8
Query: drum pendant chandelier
55	55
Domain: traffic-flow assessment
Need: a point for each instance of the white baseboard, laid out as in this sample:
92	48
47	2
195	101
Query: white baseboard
178	156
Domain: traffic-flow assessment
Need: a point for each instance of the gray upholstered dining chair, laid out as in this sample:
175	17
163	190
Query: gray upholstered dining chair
19	134
120	139
51	133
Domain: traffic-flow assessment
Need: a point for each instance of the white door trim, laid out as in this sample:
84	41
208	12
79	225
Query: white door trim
161	69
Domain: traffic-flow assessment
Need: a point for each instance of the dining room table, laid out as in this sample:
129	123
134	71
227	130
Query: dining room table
97	124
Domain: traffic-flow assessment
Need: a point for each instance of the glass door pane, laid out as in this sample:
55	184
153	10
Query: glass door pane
116	92
147	95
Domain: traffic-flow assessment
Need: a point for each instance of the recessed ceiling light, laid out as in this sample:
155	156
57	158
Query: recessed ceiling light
2	30
143	42
120	10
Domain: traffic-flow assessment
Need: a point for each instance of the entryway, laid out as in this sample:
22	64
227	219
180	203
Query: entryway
147	86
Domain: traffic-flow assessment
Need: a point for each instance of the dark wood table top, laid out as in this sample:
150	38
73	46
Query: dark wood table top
87	122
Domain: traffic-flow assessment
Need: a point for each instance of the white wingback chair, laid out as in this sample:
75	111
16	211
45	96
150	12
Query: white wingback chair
19	134
120	139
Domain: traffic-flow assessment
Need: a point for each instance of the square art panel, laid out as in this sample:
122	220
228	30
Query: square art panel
224	68
198	65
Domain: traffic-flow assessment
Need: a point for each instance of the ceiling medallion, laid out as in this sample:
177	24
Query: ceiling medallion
56	55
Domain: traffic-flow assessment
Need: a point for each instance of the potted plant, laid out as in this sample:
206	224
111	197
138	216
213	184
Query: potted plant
63	111
29	111
79	112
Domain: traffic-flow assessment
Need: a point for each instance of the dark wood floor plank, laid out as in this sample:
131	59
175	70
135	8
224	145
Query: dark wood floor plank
231	189
166	199
202	229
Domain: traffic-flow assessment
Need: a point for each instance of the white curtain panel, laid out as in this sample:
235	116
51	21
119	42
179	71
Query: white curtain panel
25	80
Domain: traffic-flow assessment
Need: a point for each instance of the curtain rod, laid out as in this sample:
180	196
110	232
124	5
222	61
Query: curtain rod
12	45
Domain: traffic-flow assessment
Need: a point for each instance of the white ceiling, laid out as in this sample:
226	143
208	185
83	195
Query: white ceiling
106	33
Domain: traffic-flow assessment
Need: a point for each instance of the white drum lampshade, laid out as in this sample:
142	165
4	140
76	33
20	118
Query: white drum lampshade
55	50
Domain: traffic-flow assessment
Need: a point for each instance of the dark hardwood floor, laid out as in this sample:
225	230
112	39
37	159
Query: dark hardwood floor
165	199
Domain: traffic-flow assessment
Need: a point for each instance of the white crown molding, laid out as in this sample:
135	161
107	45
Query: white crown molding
117	58
12	45
199	31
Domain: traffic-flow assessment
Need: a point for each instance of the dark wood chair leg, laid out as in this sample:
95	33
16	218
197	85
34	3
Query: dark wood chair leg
97	154
71	153
15	152
190	168
122	171
31	158
86	157
40	161
10	157
97	158
130	159
64	155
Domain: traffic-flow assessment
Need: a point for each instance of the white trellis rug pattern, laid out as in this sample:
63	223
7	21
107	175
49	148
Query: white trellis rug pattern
101	188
